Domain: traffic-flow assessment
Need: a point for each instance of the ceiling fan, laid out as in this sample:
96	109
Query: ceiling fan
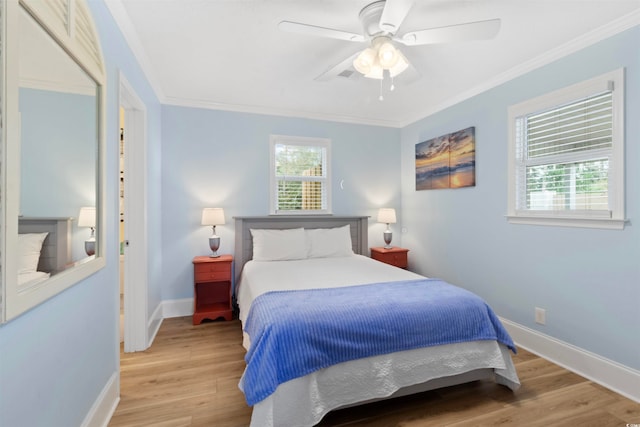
381	21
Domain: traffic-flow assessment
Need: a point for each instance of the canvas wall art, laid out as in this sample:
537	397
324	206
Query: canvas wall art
448	161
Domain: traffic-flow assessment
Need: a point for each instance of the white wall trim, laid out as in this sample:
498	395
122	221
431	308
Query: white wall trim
282	112
121	17
611	29
177	307
136	280
612	375
105	405
155	321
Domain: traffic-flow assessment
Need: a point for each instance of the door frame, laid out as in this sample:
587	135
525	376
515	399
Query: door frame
136	267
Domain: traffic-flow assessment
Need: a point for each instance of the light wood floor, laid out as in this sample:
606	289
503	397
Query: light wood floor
189	377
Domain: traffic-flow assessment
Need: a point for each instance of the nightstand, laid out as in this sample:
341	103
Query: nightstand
394	256
212	288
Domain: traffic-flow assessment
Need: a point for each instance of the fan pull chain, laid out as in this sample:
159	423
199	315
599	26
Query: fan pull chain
392	87
381	98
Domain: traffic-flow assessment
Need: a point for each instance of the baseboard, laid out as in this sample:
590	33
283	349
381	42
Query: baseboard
105	405
177	308
612	375
153	326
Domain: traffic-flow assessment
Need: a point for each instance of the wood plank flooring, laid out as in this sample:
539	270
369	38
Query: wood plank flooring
189	377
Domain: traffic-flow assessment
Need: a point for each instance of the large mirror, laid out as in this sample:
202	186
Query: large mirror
53	205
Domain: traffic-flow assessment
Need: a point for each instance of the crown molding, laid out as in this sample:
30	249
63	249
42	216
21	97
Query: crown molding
122	20
617	26
270	111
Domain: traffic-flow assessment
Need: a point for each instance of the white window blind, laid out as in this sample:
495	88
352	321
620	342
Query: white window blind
567	153
299	171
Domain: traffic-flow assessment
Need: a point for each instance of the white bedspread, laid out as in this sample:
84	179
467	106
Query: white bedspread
304	401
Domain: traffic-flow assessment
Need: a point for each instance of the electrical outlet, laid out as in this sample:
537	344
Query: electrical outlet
541	316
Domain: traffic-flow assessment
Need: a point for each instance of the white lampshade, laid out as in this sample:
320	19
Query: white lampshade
212	216
87	217
387	215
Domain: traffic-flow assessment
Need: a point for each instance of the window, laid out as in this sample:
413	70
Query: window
300	175
566	156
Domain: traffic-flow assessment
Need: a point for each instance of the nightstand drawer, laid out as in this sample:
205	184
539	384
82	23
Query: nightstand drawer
399	260
206	272
394	256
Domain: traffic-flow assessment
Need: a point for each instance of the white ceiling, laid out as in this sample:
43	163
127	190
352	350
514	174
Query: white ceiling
230	54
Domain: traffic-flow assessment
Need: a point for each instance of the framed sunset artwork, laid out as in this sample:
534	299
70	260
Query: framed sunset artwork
448	161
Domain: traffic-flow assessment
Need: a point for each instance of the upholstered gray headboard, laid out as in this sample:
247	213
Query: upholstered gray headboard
244	242
56	249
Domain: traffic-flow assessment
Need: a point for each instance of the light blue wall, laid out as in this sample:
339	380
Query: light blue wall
57	358
221	159
58	157
587	280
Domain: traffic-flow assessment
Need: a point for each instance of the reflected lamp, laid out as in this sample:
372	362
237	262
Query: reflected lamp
87	219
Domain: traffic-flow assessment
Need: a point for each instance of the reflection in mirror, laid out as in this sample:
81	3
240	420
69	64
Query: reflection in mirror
58	151
52	154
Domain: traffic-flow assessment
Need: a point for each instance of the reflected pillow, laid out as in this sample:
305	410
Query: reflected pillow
279	245
29	247
329	242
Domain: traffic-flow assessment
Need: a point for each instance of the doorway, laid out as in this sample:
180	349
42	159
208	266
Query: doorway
132	221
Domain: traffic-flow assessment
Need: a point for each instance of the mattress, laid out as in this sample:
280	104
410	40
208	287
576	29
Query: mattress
304	401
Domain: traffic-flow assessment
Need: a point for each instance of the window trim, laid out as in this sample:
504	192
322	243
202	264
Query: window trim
616	194
273	180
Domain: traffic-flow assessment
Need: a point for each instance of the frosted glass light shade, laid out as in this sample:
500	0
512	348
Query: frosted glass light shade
365	60
387	55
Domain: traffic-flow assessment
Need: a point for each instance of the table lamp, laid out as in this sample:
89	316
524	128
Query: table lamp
213	217
387	216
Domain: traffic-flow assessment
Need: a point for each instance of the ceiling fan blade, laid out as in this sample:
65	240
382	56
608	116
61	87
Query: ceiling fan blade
346	65
480	30
296	27
393	14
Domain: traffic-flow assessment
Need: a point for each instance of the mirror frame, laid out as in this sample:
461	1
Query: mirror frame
73	29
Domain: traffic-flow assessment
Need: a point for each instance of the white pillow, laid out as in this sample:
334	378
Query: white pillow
29	246
330	242
279	245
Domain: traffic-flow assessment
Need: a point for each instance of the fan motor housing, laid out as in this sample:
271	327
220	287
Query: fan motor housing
370	19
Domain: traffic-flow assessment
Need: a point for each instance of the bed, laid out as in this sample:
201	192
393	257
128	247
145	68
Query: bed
44	245
297	275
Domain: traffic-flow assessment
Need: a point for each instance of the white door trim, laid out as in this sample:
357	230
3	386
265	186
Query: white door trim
136	337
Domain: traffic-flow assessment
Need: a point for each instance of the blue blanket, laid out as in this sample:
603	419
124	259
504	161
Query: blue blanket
294	333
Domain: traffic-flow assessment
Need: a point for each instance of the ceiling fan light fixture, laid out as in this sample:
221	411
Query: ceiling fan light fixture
380	57
400	66
388	55
376	72
365	61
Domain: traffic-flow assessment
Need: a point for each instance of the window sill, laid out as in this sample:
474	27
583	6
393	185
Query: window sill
603	223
